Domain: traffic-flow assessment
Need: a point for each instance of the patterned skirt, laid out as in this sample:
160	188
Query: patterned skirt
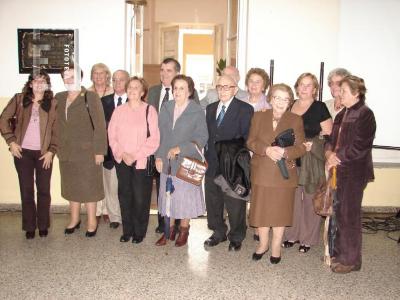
187	201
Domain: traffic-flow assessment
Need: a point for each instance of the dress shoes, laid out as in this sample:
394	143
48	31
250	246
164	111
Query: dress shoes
213	241
162	241
234	246
343	269
30	235
114	225
137	239
289	244
275	260
71	230
43	233
91	233
124	238
257	256
182	237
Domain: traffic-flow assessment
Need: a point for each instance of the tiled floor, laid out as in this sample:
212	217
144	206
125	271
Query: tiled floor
74	267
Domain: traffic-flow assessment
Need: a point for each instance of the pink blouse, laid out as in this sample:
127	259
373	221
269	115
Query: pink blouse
31	139
127	132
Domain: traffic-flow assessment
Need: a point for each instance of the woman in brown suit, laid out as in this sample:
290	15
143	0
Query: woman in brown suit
33	143
83	143
273	196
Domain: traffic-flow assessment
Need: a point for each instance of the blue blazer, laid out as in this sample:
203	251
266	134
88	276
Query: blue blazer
236	124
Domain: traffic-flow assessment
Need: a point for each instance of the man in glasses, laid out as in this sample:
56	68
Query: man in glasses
227	119
212	94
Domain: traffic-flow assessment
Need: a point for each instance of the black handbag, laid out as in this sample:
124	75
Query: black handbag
284	139
151	161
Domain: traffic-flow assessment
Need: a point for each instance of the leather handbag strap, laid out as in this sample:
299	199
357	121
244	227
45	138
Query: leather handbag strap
200	152
87	108
147	122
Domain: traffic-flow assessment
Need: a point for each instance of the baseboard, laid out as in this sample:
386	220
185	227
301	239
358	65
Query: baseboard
63	209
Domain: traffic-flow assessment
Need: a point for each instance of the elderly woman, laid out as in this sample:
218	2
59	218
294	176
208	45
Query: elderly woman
335	76
33	143
272	196
83	143
349	150
317	123
257	83
182	124
133	134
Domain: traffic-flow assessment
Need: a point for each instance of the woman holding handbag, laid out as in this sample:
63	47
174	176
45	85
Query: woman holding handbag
33	143
272	197
183	132
134	136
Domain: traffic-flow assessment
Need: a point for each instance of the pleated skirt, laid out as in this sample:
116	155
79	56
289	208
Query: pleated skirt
187	201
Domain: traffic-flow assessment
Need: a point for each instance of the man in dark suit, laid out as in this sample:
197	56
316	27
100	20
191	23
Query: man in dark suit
110	102
227	119
158	95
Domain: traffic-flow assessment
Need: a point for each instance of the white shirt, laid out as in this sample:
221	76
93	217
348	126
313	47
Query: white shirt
124	98
162	94
220	104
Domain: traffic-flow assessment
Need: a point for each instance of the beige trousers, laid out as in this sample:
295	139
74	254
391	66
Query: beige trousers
110	204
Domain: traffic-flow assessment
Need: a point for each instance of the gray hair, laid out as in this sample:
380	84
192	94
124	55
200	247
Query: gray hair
342	72
123	72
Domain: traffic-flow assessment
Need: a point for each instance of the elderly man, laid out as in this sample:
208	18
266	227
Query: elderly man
158	95
110	102
212	94
335	76
227	119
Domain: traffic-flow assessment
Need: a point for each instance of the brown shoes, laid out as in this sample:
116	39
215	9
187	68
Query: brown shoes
343	269
182	237
163	240
180	241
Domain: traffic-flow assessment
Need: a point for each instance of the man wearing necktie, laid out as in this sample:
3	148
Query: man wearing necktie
110	204
227	119
158	95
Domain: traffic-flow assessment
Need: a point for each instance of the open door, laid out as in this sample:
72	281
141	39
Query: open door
169	42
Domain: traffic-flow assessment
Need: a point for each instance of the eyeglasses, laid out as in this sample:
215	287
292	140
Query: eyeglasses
224	87
279	99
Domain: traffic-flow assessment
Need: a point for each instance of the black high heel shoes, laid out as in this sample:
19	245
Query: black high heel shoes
71	230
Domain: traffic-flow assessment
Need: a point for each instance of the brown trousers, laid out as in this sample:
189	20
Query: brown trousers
347	245
29	169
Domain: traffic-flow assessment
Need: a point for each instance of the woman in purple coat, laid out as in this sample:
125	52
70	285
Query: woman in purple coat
349	150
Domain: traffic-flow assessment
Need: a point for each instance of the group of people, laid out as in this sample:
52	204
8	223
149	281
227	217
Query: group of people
110	137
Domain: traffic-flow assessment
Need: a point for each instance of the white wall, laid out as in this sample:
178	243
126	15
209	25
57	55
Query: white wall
360	35
101	29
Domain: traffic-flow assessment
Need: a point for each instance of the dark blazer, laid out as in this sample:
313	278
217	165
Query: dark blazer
153	97
108	107
355	142
189	127
236	124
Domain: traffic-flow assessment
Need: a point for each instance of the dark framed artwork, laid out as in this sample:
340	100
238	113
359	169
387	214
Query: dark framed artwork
49	49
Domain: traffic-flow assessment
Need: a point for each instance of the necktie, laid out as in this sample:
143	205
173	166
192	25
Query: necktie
166	96
221	116
119	101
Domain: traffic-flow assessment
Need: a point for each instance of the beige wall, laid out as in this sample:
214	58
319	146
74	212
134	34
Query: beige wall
383	192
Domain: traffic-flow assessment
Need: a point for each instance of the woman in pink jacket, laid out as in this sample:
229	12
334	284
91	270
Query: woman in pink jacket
131	145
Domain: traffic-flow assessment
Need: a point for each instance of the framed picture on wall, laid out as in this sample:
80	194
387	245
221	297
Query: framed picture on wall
50	49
